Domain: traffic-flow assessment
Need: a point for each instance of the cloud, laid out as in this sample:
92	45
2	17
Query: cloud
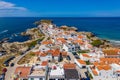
10	6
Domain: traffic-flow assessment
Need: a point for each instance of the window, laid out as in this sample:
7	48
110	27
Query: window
32	79
60	79
51	79
40	78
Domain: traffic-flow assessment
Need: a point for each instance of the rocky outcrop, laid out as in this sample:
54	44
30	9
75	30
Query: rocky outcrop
18	47
68	28
34	33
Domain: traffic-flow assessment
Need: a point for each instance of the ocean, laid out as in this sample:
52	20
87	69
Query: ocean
103	27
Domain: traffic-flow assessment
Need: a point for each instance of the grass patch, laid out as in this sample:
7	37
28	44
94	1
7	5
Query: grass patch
33	43
26	58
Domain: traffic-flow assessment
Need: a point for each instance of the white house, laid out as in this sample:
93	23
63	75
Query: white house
43	48
38	73
56	73
80	63
103	72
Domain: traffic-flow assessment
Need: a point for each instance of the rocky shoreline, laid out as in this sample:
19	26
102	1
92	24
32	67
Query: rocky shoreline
35	34
19	47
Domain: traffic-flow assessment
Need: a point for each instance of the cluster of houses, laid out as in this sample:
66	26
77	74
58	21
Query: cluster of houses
57	60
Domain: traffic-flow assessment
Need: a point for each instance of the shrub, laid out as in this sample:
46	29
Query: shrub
97	43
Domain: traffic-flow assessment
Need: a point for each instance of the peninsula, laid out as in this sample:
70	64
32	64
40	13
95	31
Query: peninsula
59	53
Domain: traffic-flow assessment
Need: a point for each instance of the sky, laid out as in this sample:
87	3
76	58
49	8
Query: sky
59	8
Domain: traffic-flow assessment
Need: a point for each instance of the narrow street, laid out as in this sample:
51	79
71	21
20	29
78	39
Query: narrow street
80	71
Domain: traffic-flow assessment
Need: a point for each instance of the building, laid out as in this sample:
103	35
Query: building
70	71
39	72
80	63
106	69
70	47
111	53
22	72
56	73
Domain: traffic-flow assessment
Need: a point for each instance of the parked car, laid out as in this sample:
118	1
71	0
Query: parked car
68	58
12	64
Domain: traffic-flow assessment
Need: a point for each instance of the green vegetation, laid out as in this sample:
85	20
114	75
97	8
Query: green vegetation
26	58
83	51
90	75
88	62
97	43
33	43
43	21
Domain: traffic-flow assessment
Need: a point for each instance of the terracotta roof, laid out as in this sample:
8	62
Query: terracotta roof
80	36
78	41
43	54
69	66
62	40
37	53
111	51
98	63
64	53
81	61
110	60
94	72
86	55
56	52
23	71
47	42
70	39
44	63
104	67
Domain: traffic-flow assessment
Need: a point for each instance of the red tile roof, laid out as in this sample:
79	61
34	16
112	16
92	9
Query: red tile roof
43	54
37	53
23	71
61	39
78	41
94	72
86	55
47	42
104	67
44	63
111	51
80	36
81	61
64	53
56	52
69	66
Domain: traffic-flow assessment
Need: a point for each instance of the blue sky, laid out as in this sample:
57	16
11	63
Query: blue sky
60	8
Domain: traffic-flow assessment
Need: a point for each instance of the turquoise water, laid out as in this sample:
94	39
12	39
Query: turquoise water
107	28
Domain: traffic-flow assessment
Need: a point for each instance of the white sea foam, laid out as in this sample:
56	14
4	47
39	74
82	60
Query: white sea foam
3	31
116	42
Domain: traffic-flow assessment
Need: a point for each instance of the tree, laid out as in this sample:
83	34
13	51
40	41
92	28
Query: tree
60	58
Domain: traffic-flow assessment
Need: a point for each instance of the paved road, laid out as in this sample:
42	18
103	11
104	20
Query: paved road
80	71
11	70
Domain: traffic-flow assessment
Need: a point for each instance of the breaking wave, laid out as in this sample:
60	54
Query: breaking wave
3	31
